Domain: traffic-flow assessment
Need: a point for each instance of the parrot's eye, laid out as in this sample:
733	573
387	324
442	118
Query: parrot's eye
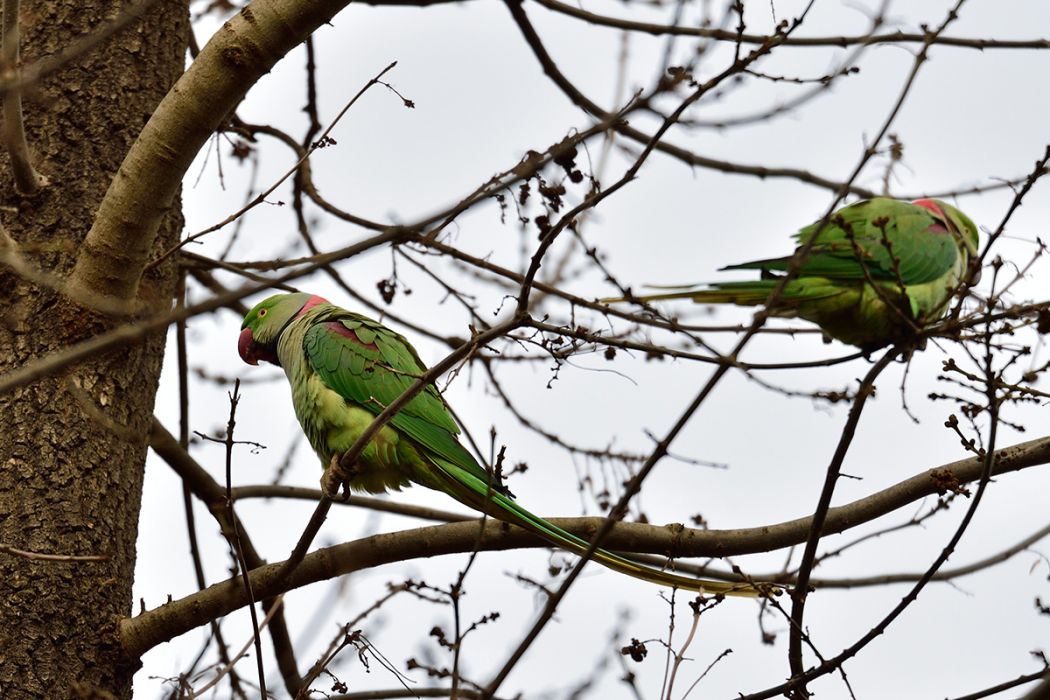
262	312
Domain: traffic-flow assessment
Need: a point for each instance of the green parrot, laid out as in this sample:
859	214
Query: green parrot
344	368
877	272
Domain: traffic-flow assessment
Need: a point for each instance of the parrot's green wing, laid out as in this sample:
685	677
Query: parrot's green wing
370	366
876	272
871	239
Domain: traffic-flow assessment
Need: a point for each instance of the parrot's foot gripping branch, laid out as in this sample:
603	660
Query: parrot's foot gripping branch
337	477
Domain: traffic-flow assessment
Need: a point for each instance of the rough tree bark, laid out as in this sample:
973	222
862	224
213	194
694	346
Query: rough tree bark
72	447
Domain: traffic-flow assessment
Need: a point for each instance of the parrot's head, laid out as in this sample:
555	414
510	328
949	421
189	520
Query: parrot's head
960	223
262	325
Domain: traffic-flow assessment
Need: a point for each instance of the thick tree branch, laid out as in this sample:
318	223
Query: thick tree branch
168	621
131	333
242	51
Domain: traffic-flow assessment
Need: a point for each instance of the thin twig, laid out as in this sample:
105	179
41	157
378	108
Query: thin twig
27	180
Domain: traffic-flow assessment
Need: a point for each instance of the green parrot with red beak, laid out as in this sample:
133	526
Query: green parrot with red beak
878	271
344	369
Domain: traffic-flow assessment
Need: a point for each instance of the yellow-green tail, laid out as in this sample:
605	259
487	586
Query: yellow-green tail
745	293
471	491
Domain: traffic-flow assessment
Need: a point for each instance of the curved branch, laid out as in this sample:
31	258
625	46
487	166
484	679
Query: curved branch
943	574
684	155
115	251
27	179
377	504
897	37
145	631
207	490
862	581
1041	691
131	333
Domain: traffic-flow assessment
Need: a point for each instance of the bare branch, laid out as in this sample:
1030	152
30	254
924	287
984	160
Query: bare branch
149	629
242	51
897	37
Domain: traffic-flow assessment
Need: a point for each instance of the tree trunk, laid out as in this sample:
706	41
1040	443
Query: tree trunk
72	446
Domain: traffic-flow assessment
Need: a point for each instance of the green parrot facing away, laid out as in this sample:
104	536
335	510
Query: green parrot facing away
879	271
344	368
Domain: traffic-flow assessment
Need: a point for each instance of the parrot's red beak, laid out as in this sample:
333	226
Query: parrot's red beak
251	351
247	348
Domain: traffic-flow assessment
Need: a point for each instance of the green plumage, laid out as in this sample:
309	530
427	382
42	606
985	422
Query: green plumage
878	271
344	369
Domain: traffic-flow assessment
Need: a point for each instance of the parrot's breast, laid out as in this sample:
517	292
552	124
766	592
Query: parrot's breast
863	316
332	425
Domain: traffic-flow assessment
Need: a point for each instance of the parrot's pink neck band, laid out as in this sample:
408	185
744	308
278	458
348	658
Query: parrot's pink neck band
311	303
930	205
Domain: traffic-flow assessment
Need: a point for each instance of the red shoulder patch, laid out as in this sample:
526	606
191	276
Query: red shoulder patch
342	330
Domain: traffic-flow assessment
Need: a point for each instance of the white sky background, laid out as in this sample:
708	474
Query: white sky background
481	101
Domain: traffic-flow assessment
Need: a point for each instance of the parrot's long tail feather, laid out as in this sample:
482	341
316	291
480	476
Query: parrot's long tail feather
751	293
474	492
745	293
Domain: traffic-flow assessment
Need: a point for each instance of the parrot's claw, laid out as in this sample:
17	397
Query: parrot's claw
336	477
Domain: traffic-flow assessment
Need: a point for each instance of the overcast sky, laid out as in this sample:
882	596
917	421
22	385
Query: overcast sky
481	101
